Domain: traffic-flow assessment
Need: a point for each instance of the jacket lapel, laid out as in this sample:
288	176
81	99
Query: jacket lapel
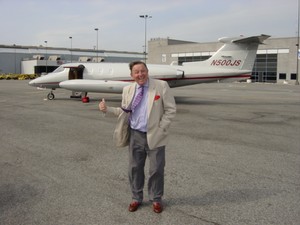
131	94
151	94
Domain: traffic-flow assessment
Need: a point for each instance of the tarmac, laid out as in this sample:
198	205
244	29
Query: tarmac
233	158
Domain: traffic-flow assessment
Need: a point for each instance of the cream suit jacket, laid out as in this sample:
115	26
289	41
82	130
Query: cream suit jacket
161	110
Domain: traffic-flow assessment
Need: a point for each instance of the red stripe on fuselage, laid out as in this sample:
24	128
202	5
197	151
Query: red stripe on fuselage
209	77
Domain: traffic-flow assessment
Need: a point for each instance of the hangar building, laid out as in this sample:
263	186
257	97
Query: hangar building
37	60
276	61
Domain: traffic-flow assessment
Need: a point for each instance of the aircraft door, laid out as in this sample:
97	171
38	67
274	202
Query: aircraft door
76	72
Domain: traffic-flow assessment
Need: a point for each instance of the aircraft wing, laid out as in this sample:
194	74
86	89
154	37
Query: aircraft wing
103	86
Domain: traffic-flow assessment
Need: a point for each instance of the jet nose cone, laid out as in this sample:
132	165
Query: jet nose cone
32	83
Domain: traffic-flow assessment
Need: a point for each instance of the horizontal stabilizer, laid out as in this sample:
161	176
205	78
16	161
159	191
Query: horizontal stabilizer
254	39
245	40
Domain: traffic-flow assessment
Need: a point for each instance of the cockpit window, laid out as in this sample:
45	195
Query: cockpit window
59	69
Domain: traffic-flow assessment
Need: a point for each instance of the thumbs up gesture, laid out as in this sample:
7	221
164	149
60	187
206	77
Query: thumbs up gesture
102	106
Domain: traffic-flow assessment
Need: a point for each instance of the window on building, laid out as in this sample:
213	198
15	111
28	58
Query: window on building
265	68
293	76
282	76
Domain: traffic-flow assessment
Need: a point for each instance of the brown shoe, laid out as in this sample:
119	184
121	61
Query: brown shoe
157	207
134	205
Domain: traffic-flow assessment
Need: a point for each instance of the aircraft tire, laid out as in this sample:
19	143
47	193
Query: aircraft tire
50	96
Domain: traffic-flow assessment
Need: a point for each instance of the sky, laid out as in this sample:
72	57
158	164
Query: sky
32	22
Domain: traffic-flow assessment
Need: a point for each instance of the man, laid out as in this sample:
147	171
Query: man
147	110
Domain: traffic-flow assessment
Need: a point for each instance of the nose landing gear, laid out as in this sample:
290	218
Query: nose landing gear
50	96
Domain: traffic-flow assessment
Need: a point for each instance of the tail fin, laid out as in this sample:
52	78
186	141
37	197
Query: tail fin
236	53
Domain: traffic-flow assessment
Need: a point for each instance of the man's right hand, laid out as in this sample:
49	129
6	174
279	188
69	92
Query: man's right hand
102	106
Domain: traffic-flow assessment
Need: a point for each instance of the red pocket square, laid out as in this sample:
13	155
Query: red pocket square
156	97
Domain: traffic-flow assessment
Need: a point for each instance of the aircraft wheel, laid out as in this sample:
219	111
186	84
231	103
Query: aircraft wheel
50	96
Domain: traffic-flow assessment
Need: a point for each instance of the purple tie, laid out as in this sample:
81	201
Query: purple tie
138	97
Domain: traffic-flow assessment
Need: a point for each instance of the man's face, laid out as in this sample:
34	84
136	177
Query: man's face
139	74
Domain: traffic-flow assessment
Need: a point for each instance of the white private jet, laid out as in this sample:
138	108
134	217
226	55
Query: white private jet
232	62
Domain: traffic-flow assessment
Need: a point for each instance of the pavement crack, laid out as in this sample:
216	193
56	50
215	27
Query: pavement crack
199	218
204	220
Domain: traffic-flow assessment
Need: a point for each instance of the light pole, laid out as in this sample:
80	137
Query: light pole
46	57
71	47
145	17
297	72
15	59
96	29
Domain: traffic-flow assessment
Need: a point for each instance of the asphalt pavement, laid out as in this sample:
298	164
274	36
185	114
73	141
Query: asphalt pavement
233	158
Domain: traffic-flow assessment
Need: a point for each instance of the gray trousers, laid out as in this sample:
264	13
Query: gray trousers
138	152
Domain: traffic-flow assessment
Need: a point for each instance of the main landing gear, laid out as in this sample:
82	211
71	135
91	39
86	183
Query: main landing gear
83	95
85	98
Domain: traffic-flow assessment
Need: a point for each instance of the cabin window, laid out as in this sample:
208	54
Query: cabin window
59	69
